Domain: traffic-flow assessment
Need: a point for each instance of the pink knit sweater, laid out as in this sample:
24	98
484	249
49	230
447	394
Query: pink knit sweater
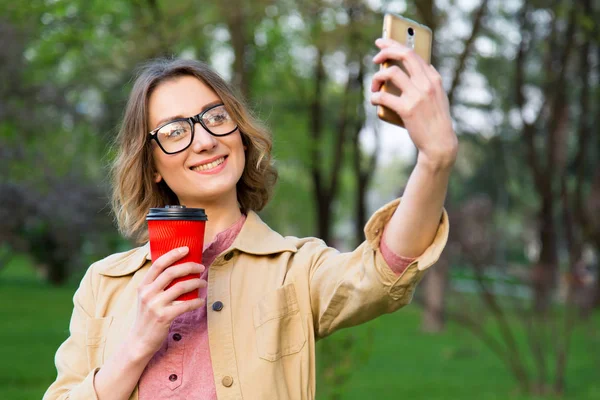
181	368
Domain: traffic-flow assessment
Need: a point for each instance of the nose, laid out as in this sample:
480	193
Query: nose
203	140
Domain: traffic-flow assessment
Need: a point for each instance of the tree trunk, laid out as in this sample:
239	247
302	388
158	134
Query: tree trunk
326	184
436	281
462	60
594	196
434	290
47	249
596	299
594	210
322	200
57	274
363	173
324	218
361	211
235	23
544	272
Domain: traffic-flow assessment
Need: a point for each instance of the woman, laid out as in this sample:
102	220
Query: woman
264	299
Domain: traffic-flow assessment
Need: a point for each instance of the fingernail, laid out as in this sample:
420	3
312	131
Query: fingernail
183	249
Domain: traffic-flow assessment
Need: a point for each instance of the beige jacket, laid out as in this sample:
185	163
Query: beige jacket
280	295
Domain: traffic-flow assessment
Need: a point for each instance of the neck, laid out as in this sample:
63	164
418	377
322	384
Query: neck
220	216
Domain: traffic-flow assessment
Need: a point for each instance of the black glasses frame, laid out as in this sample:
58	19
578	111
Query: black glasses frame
196	119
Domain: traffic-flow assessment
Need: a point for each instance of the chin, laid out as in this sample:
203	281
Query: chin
210	195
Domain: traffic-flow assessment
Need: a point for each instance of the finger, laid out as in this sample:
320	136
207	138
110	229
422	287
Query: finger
415	65
411	61
386	99
168	296
394	48
432	88
398	53
174	272
182	307
383	43
393	74
435	78
164	261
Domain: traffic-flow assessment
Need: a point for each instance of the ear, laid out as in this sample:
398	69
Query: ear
157	177
245	147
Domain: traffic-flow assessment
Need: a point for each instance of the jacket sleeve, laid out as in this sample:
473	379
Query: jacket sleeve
75	379
347	289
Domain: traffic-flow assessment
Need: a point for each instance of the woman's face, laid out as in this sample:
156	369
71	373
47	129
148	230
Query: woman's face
208	170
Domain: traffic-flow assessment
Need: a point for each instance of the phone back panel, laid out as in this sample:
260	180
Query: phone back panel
396	28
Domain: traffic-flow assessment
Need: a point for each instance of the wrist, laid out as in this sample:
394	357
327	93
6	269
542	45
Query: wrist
439	163
135	352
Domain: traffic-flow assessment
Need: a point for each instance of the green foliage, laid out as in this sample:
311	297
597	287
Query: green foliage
66	71
404	362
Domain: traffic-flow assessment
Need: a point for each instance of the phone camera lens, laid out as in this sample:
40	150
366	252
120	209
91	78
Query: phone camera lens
411	31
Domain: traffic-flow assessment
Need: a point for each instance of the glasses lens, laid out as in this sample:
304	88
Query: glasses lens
175	136
218	121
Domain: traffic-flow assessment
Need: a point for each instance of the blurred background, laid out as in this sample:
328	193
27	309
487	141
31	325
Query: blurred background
511	311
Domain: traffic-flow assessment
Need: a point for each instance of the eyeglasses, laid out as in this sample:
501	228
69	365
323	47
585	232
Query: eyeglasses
177	135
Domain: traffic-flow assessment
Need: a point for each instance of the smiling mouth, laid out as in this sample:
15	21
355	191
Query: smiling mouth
210	165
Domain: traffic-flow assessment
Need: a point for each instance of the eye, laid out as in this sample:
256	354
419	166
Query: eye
217	117
174	130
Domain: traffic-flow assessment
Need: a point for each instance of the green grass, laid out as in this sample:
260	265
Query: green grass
405	363
402	362
35	319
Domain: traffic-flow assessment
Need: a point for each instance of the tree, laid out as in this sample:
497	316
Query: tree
545	125
435	282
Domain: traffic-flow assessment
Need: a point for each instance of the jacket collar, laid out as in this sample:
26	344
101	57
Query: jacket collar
255	238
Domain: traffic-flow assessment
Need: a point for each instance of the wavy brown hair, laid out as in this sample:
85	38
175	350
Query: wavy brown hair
133	171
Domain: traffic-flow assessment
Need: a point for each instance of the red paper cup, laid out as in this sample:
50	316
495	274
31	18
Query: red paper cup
177	226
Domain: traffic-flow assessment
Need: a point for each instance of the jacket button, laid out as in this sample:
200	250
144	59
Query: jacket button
172	377
228	256
217	306
177	337
227	381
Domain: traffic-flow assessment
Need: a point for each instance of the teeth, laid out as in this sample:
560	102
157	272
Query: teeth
210	165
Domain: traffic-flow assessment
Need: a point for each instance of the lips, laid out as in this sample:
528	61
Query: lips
209	164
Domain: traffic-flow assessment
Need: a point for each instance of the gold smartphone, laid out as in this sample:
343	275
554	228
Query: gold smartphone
413	35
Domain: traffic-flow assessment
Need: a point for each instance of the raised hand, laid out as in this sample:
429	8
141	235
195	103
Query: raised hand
423	105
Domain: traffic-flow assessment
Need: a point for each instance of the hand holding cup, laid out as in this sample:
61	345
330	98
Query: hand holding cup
157	305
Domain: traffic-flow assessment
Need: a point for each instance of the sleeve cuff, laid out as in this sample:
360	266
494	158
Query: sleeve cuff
397	263
376	225
85	390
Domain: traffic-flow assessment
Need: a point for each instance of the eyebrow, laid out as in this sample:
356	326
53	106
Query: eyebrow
179	116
